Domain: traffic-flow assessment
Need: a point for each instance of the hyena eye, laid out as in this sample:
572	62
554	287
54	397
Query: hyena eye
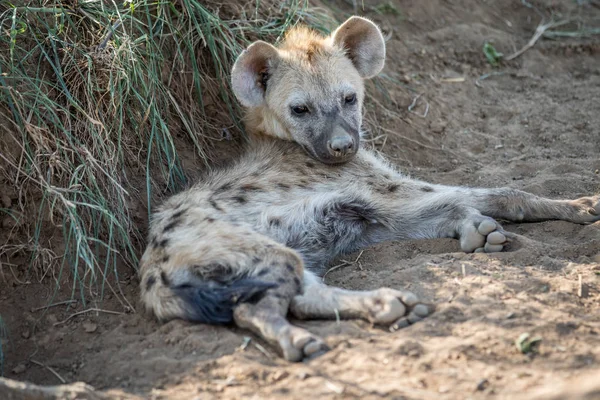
299	110
350	99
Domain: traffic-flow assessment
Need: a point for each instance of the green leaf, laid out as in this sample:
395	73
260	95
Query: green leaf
492	55
526	345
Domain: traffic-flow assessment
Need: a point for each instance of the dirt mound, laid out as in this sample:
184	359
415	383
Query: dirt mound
531	124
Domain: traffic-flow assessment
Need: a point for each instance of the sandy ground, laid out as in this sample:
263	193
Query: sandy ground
532	124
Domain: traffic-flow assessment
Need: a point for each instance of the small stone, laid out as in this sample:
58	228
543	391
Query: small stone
25	334
482	385
90	327
8	223
338	389
280	375
6	202
438	127
303	375
19	369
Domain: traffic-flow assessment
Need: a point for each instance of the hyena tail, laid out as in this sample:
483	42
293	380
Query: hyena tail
209	302
213	302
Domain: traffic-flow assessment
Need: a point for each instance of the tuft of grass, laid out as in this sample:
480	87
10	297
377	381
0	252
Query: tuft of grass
578	33
97	100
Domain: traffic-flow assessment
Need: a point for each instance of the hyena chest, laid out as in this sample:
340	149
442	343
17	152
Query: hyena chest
319	214
320	228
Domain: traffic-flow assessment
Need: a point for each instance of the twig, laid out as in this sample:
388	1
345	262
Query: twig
414	103
247	341
539	31
359	256
87	311
334	388
20	282
459	79
263	350
56	374
336	267
534	8
60	303
485	76
345	263
578	34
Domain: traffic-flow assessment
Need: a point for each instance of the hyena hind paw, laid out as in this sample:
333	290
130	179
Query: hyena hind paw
395	308
298	344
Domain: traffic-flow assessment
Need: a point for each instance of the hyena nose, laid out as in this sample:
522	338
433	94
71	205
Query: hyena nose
340	145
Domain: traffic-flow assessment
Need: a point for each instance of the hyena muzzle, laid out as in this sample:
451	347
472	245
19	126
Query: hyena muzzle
248	243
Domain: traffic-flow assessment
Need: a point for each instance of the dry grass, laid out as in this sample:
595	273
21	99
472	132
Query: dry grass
97	100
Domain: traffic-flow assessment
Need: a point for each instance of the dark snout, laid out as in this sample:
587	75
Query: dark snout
341	145
337	142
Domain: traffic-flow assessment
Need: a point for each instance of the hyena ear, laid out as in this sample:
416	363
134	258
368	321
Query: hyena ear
364	45
250	73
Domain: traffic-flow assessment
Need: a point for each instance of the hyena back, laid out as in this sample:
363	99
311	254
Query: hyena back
247	244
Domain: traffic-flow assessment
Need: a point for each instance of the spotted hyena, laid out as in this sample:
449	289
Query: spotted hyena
248	243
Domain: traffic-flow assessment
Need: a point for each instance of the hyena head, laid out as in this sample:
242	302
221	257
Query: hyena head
310	88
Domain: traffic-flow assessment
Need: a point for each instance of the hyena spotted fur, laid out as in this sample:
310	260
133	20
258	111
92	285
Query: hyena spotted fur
247	244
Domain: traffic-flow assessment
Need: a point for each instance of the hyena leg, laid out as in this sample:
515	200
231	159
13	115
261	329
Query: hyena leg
395	308
267	317
479	232
211	271
516	205
441	216
467	214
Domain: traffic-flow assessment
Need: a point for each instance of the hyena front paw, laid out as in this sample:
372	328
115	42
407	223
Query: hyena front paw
587	209
395	308
482	235
297	344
